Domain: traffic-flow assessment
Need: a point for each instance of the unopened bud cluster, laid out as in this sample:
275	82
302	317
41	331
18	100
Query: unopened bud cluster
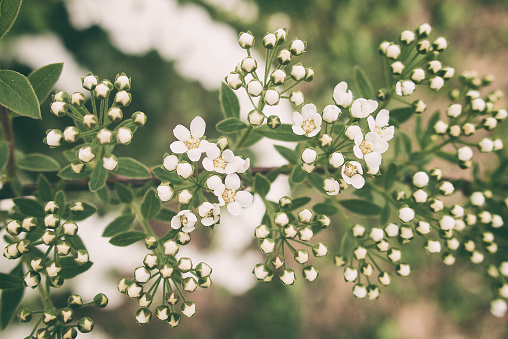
285	234
97	131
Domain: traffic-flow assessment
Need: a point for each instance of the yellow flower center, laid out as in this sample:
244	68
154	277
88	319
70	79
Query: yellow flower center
219	163
350	169
228	195
366	147
183	220
378	130
308	125
193	142
209	214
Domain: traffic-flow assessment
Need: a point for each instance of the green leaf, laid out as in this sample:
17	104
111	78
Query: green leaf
4	154
359	206
131	168
70	268
363	84
230	125
121	224
297	175
450	157
37	162
253	138
385	214
165	175
400	115
29	207
9	10
98	178
389	176
261	185
229	103
103	195
44	190
317	181
325	208
165	214
17	94
299	202
283	133
76	242
9	281
419	129
44	78
88	211
151	204
10	300
426	137
67	173
124	193
127	238
287	153
60	198
171	234
408	145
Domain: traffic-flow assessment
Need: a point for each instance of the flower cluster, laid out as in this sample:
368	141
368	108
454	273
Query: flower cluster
162	270
58	322
100	130
271	85
331	142
415	62
286	229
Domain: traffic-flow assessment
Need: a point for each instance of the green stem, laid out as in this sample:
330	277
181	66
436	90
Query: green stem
6	122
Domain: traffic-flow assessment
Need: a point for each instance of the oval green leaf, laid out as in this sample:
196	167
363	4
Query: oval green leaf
17	94
131	168
283	133
9	10
121	224
151	204
98	178
230	125
229	103
360	206
37	162
363	84
44	78
127	238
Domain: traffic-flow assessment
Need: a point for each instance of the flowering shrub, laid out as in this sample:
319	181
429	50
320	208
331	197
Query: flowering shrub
354	154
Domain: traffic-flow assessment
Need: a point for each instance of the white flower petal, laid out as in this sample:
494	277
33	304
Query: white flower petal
297	118
232	181
181	133
308	111
382	118
357	181
371	123
244	198
373	159
194	154
197	127
234	208
298	130
178	147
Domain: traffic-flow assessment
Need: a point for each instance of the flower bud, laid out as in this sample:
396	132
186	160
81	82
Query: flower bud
249	64
89	82
255	87
255	117
297	47
110	163
296	98
272	97
85	154
115	114
90	121
246	40
122	82
234	81
59	108
102	91
70	134
53	138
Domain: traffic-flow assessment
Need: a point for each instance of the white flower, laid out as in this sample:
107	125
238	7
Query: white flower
454	110
269	40
89	82
272	97
141	274
110	163
478	104
104	136
254	88
123	98
85	154
420	196
486	145
246	40
165	192
353	131
407	37
336	159
190	142
310	273
184	197
102	91
380	125
403	270
124	135
397	68
433	246
260	271
446	188
392	51
447	223
297	47
249	64
420	179
465	153
267	245
53	138
477	198
418	75
341	95
123	82
309	155
296	98
184	170
287	276
350	274
359	291
352	174
441	127
331	186
371	148
405	87
58	108
498	307
70	134
234	80
188	308
297	72
115	114
308	123
406	214
229	195
362	108
170	162
305	215
331	113
185	219
424	30
209	213
224	162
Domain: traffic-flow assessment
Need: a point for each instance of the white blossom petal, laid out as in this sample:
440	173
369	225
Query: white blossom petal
181	133
178	147
197	127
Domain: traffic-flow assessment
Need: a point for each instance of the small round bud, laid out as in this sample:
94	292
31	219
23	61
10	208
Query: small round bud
255	117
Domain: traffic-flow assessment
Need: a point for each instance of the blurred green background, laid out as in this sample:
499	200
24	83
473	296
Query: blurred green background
435	302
